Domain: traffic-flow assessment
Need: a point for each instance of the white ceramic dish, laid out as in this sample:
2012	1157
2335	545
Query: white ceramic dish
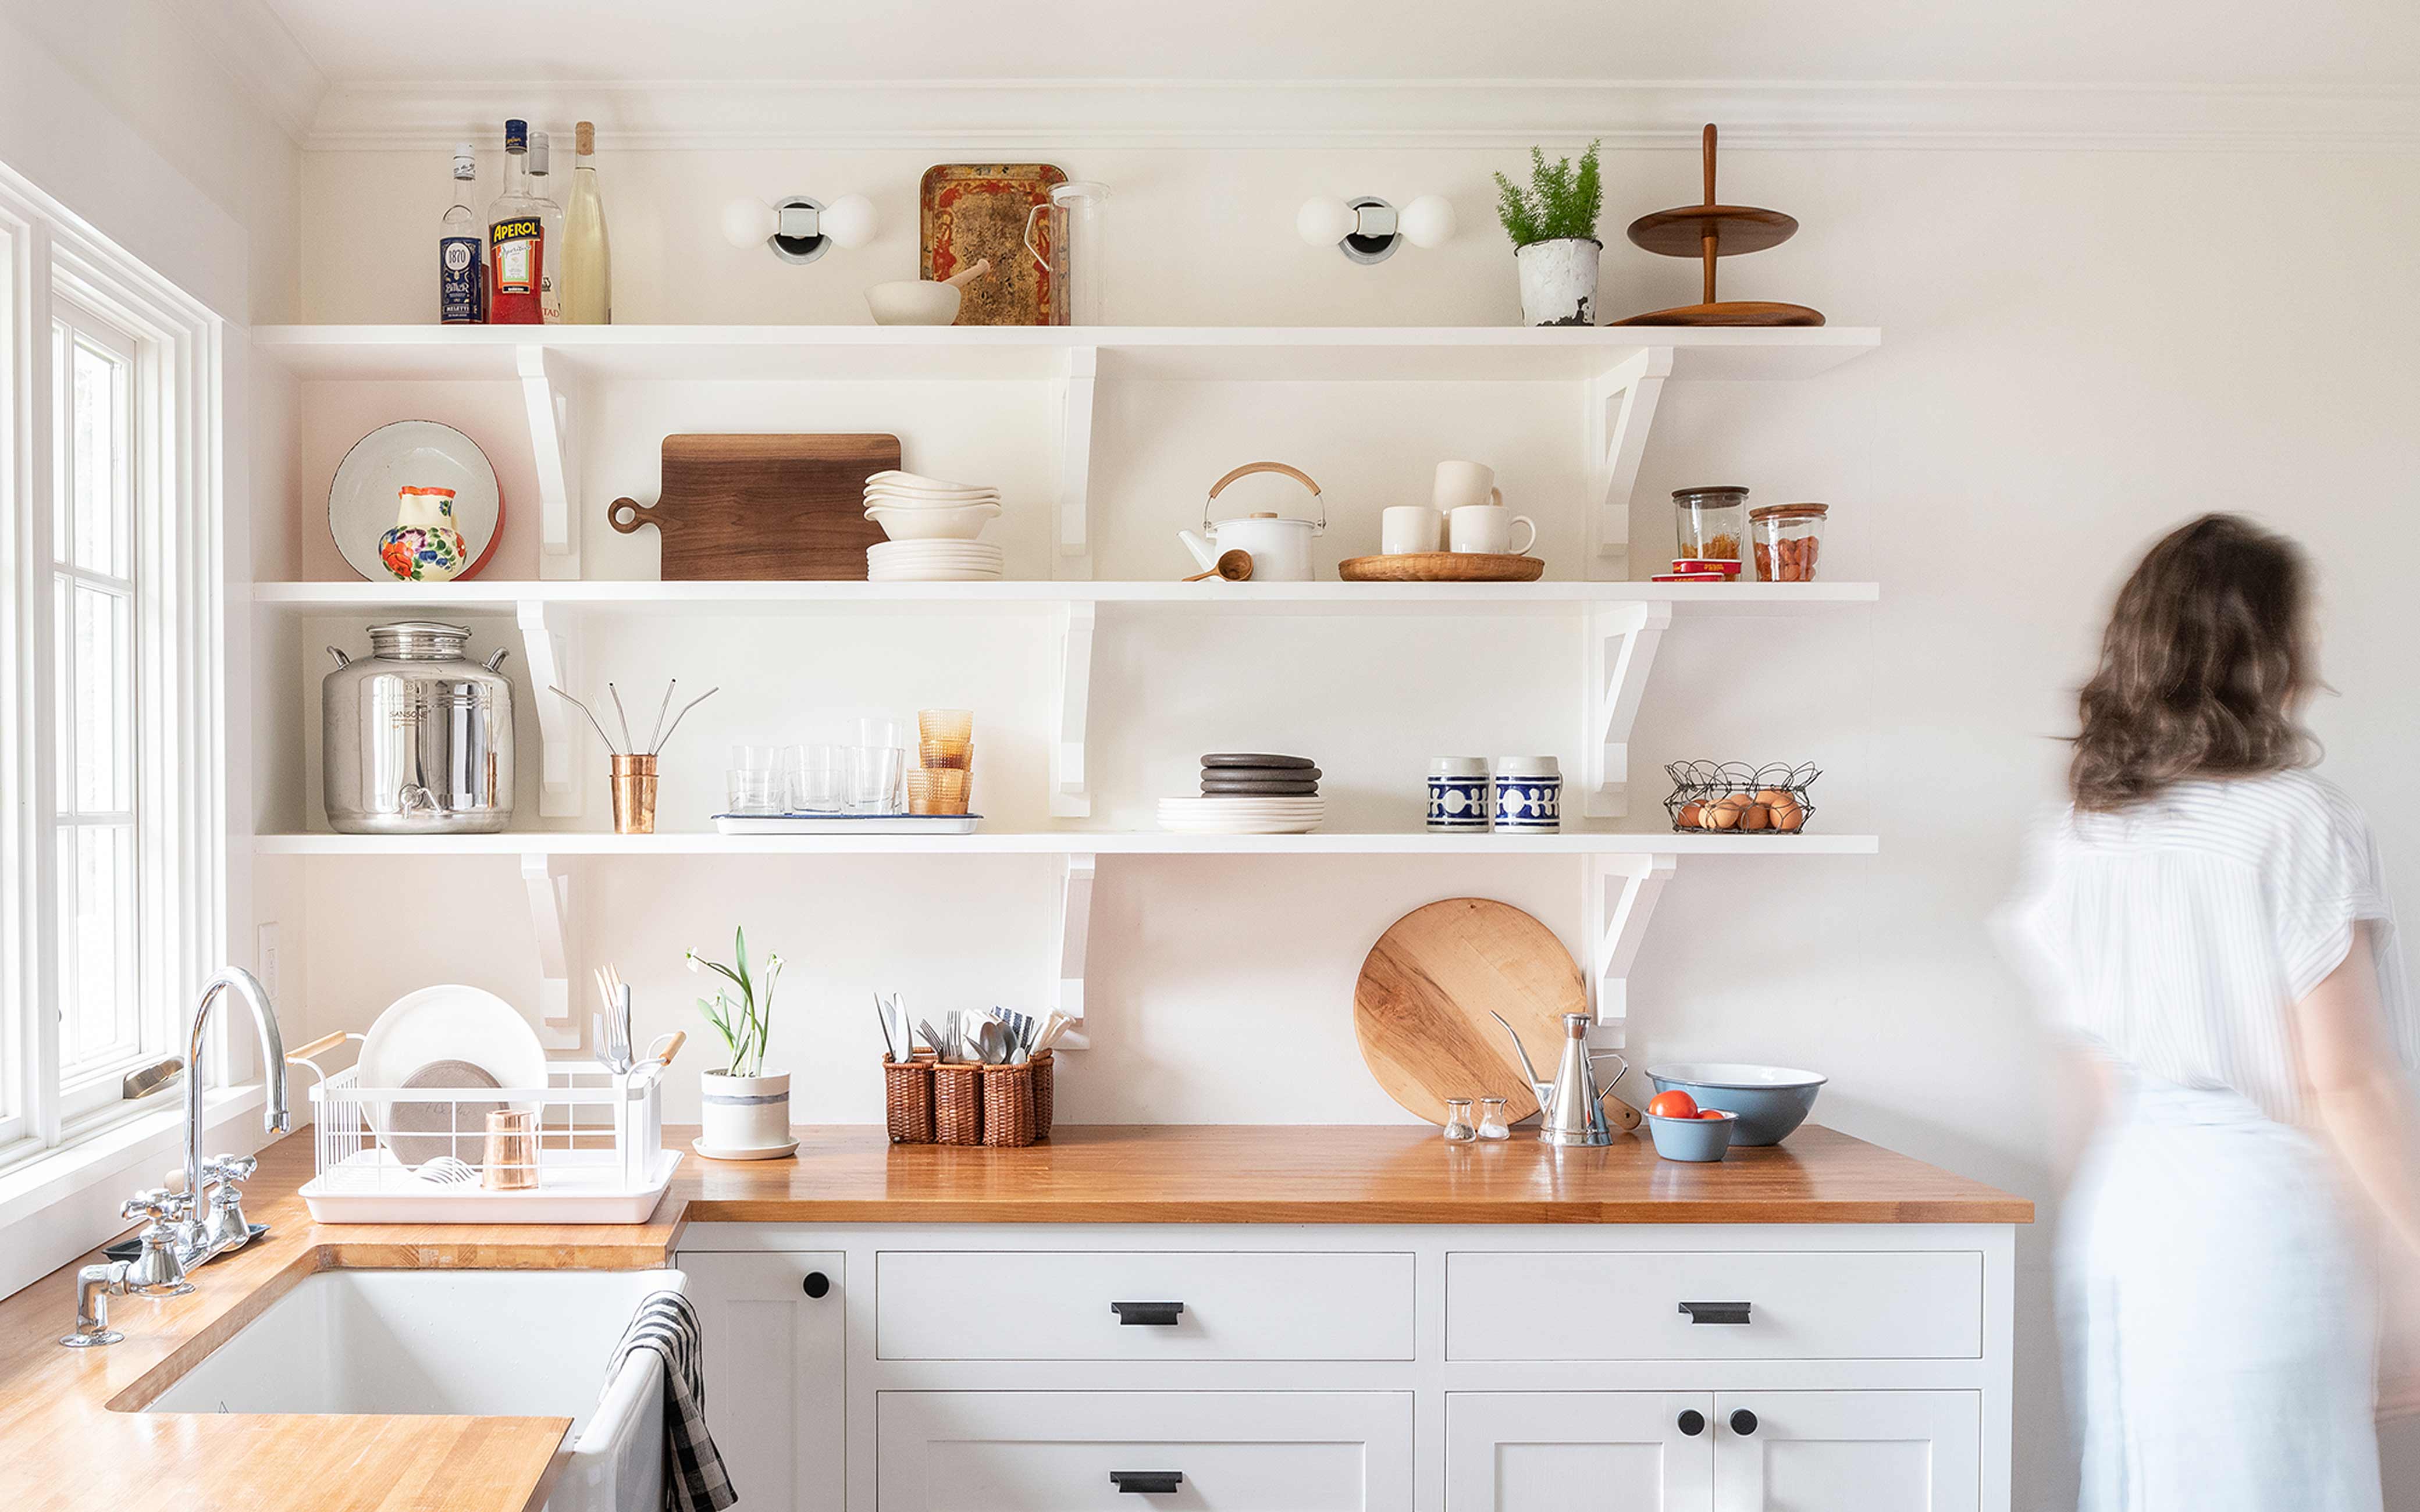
449	1023
894	477
422	454
913	301
963	523
913	493
765	1152
925	550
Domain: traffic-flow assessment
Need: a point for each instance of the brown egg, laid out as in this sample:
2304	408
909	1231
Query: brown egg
1690	817
1771	797
1788	815
1759	816
1728	813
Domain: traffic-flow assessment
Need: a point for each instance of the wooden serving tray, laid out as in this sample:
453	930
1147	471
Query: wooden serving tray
763	507
968	211
1441	567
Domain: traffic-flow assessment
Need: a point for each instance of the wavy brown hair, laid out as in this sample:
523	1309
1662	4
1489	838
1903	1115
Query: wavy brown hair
2202	668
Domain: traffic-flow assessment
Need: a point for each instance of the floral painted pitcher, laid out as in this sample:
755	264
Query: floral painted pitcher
423	545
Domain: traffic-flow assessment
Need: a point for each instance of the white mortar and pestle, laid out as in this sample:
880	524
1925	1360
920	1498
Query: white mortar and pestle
922	301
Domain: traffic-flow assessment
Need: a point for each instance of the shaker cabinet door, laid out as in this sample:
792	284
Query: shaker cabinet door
1848	1451
775	1341
1578	1451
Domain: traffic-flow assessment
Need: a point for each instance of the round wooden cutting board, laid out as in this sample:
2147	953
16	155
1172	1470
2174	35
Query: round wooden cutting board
1421	1008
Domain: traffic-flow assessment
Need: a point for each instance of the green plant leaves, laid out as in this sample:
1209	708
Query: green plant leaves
1561	200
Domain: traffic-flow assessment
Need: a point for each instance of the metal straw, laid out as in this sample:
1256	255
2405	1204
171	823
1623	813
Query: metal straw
655	737
591	719
683	715
625	714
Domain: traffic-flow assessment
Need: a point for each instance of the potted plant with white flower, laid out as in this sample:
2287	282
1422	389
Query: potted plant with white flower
1553	227
746	1109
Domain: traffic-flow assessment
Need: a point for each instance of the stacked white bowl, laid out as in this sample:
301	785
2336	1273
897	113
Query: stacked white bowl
933	525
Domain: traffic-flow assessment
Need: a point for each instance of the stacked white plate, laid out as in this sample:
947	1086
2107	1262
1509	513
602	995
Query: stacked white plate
932	562
1241	816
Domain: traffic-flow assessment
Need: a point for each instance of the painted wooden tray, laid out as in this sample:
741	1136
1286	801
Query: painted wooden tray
763	507
968	211
1421	1007
1442	567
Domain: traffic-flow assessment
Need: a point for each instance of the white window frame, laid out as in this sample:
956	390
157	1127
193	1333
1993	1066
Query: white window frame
54	264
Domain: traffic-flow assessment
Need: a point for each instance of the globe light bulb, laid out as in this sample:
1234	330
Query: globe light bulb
1324	222
748	222
1428	221
849	221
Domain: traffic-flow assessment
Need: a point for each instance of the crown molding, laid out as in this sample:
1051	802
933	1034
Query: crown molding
250	43
993	115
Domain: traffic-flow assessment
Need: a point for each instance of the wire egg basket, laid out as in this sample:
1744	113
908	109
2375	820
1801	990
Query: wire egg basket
1737	798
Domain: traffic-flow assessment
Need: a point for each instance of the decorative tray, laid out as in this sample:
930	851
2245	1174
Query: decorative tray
1442	567
847	824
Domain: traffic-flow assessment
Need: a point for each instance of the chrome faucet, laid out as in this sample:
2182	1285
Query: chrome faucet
212	1222
155	1272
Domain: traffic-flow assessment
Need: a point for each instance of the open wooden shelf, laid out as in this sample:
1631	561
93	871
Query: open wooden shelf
1066	843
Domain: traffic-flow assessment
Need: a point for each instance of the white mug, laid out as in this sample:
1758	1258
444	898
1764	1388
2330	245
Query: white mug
1488	529
1465	483
1408	528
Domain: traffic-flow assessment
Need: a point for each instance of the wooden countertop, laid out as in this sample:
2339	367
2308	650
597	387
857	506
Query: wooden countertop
76	1436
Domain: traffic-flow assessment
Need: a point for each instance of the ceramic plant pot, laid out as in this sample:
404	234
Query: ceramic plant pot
745	1112
1558	281
423	545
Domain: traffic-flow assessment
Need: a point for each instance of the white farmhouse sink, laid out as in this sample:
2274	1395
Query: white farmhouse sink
484	1343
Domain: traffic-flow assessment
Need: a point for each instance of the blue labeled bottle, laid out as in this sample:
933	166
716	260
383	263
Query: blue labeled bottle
461	263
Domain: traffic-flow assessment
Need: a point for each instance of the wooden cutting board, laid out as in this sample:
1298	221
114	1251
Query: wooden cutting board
763	507
1421	1008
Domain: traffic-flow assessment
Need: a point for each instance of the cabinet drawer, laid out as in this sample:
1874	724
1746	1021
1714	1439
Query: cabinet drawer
1010	1304
1052	1451
1805	1304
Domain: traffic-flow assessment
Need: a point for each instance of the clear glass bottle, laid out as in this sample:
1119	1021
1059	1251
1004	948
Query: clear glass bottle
1491	1124
515	239
461	265
1458	1128
587	262
552	218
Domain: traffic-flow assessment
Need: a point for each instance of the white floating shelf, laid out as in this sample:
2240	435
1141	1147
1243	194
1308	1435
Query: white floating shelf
1215	353
1066	843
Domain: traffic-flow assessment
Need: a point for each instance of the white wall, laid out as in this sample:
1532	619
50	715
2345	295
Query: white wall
2082	349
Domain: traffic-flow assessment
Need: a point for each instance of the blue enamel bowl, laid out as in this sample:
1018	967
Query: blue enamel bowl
1695	1139
1770	1101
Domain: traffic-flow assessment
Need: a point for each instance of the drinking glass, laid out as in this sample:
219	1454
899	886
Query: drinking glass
818	779
1457	1121
873	778
1491	1120
753	792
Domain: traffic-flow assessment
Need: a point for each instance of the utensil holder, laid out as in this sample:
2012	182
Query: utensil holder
1008	1122
957	1104
1044	1065
907	1100
634	795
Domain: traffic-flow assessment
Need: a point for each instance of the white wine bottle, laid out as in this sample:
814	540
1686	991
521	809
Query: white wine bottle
588	263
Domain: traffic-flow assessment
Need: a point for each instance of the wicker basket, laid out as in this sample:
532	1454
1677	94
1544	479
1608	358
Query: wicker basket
907	1100
1008	1106
957	1104
1044	1083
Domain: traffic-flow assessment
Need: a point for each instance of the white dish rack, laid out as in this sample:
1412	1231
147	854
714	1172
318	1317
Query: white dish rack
601	1155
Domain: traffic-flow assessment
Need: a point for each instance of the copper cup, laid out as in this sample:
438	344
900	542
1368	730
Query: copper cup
509	1162
634	795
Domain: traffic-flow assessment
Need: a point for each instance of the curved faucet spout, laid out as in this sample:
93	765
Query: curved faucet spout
273	1045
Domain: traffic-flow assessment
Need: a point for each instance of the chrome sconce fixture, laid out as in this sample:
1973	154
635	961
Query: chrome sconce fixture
1369	229
799	229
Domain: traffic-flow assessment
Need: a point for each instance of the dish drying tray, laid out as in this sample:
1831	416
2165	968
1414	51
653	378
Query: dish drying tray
601	1148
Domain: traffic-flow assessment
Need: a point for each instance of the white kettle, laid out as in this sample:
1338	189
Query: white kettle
1279	545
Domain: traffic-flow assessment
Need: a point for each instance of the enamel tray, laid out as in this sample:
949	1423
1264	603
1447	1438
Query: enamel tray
847	824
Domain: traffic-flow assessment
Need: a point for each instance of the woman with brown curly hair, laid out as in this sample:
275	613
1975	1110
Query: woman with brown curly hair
2209	927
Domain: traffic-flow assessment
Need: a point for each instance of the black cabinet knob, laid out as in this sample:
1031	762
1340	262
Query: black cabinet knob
1743	1422
816	1284
1692	1422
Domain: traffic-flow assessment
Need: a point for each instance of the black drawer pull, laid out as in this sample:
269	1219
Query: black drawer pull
816	1284
1743	1422
1716	1312
1147	1482
1691	1422
1149	1314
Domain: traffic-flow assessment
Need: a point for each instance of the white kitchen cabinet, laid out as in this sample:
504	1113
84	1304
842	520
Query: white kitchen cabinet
1847	1451
774	1333
1573	1451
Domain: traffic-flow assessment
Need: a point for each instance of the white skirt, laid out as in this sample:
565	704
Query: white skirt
2223	1315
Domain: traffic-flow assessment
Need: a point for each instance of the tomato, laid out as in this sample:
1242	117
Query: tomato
1716	1114
1673	1104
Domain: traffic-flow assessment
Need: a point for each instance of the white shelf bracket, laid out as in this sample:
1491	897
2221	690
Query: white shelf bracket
1075	944
546	393
1070	797
560	791
549	901
1622	895
1620	654
1620	411
1073	557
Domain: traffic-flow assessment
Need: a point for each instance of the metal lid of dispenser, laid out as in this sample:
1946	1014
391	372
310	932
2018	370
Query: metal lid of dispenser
418	641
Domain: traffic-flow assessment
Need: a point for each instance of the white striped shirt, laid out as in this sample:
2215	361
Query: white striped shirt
2175	936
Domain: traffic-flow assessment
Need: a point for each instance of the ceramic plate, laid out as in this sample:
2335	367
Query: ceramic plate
449	1023
423	453
767	1152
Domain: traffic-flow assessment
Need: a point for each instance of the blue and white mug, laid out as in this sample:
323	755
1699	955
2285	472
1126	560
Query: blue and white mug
1460	797
1528	795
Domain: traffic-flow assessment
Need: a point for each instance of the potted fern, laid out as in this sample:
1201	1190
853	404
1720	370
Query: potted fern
1552	226
746	1111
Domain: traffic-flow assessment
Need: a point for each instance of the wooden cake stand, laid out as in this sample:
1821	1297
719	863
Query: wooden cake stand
1710	231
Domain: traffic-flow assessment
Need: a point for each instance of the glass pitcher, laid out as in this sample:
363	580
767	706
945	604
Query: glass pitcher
1064	240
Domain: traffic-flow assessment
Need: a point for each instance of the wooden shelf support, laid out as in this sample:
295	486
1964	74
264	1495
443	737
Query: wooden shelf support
1619	656
1622	895
1620	411
546	393
1070	795
549	900
545	653
1080	374
1074	943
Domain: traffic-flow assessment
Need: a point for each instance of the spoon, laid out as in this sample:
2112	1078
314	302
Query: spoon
1234	566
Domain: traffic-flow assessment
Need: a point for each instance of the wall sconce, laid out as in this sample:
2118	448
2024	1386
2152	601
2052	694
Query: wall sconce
799	229
1368	229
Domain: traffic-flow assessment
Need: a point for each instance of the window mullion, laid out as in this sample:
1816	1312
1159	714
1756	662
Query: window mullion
38	750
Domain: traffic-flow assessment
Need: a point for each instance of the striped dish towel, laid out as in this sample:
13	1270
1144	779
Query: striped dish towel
694	1480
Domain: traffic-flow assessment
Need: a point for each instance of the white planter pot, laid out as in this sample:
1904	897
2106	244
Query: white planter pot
745	1112
1558	281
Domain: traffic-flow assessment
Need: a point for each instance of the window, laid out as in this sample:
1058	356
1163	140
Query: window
109	690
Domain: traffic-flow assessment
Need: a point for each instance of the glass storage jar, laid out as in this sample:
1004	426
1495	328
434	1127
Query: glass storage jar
1788	538
1711	523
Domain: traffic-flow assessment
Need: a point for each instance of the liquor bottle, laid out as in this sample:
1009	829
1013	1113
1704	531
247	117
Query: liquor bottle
587	264
462	268
551	224
517	249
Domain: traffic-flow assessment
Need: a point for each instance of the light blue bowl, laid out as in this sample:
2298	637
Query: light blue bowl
1770	1101
1698	1139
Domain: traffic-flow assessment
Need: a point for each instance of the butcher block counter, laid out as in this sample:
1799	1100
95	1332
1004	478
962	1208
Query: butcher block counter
75	1436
